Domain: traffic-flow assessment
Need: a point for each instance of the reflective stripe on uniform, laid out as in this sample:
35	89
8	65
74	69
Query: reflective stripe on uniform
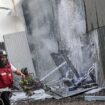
3	73
5	89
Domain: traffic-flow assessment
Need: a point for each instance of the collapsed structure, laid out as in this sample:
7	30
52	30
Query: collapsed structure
66	40
59	30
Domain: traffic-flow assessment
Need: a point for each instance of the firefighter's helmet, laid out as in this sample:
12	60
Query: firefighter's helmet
3	53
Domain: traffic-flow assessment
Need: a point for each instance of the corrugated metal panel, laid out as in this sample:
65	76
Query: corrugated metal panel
18	50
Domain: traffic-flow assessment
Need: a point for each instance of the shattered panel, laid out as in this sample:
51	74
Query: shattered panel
65	58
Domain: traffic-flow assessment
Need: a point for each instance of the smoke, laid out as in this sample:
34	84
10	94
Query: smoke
64	22
72	26
41	25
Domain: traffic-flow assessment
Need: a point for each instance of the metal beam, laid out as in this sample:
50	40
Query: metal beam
94	98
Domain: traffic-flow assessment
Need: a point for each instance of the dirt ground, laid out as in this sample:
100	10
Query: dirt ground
65	101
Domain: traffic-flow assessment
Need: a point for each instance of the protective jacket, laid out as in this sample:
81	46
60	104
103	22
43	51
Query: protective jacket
6	77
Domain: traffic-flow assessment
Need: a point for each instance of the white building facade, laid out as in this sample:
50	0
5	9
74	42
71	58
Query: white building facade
13	34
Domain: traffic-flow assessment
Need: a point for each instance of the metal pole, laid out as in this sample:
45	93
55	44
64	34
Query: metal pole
57	68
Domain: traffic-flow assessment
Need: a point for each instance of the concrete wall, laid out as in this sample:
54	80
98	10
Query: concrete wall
95	13
101	41
95	19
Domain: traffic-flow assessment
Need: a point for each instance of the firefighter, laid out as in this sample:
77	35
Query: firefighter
6	77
